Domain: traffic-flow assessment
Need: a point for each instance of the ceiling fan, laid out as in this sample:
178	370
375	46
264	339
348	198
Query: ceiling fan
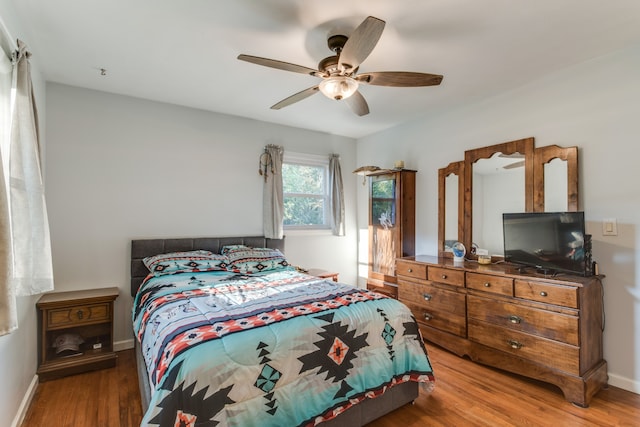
514	165
339	72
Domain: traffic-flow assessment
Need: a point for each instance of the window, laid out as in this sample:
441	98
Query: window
305	184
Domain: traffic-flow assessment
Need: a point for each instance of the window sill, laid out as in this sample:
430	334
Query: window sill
308	232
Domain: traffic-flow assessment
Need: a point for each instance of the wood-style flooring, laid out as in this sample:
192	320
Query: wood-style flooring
466	394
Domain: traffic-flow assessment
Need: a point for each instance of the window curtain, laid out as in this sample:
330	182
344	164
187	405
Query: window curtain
8	315
337	195
30	244
273	199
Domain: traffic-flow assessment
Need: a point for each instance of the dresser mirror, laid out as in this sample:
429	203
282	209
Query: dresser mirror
498	186
450	207
509	177
556	179
499	191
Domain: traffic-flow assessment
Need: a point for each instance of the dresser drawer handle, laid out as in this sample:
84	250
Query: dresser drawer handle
428	316
515	319
487	285
427	297
515	344
444	276
543	294
410	270
80	314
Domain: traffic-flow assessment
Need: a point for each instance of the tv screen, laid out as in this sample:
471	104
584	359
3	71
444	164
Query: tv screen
549	241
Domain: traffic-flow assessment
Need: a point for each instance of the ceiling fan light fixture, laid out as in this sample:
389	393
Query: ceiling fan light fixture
338	87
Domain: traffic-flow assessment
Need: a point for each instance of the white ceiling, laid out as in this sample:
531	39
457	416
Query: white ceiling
184	51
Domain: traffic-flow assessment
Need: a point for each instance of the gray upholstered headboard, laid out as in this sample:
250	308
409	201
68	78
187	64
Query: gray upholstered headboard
142	248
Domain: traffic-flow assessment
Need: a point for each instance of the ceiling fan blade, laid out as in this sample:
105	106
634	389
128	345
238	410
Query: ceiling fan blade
280	65
399	79
514	165
515	155
360	43
358	104
295	98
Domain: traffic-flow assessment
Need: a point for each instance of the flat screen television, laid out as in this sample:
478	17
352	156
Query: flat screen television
551	242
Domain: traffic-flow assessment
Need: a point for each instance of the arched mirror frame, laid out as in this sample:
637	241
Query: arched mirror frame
454	168
522	146
544	155
535	159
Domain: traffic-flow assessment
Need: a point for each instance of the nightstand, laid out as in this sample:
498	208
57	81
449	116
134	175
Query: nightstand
323	274
75	332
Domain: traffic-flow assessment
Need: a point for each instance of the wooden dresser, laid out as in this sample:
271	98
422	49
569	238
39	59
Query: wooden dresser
549	329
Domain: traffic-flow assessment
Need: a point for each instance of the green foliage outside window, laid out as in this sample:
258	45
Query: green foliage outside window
304	194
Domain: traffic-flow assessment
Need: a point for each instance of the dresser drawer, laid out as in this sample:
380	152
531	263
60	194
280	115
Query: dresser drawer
419	271
78	315
536	349
489	283
438	319
446	275
566	296
555	326
432	298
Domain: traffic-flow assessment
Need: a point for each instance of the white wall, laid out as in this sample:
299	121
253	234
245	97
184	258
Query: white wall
593	105
121	168
18	350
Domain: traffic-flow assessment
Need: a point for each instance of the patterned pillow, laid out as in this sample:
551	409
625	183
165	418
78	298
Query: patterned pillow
186	262
255	260
231	248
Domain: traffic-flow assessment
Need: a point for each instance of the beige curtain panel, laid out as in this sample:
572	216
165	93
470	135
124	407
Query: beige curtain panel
273	198
337	195
29	242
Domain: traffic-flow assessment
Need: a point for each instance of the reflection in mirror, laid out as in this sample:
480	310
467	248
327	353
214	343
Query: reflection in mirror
451	211
498	187
555	186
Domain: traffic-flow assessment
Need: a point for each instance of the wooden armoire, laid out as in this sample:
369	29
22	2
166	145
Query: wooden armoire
392	209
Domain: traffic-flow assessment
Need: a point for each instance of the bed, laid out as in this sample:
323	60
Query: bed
243	338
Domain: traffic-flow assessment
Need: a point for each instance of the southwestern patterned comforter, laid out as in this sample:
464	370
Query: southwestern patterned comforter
278	348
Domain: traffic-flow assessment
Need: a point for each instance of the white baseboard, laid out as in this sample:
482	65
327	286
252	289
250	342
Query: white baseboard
624	383
123	345
26	402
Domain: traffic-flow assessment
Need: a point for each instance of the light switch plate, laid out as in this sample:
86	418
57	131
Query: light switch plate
609	227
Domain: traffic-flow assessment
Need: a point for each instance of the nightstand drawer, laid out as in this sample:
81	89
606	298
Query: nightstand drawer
78	315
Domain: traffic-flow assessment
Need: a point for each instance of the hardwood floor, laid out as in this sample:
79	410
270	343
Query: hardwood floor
466	394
